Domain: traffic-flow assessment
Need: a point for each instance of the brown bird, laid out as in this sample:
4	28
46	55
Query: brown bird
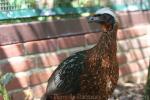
91	74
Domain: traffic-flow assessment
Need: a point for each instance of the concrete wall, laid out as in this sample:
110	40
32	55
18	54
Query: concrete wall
33	50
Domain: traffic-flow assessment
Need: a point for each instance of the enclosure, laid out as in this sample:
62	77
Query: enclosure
36	35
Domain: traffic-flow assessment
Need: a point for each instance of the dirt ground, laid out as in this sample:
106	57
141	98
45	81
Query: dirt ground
128	91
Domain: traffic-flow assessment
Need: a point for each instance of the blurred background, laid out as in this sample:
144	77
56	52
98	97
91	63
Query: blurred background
36	35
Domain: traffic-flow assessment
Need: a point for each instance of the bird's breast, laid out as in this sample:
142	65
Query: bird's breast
100	75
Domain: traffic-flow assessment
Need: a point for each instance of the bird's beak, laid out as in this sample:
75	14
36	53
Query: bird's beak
94	19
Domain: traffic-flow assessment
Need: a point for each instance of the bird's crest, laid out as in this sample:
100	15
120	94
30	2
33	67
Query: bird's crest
107	11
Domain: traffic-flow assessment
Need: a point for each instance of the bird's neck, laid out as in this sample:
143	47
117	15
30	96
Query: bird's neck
106	46
104	53
106	42
108	39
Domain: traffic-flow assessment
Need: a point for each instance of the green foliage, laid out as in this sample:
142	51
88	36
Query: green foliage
63	3
76	3
5	79
23	4
4	92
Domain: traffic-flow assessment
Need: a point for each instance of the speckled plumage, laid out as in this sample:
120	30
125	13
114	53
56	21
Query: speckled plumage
101	73
91	74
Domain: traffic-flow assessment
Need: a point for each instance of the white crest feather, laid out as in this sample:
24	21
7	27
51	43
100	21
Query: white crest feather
107	11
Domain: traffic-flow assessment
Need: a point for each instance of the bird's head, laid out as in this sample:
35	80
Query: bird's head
106	18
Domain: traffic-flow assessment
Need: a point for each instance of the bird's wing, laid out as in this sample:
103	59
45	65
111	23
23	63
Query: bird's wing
66	78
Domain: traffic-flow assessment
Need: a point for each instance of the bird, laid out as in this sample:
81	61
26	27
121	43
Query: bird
90	74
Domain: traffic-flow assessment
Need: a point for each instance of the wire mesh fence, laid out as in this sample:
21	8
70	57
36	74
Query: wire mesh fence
4	5
19	9
9	5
